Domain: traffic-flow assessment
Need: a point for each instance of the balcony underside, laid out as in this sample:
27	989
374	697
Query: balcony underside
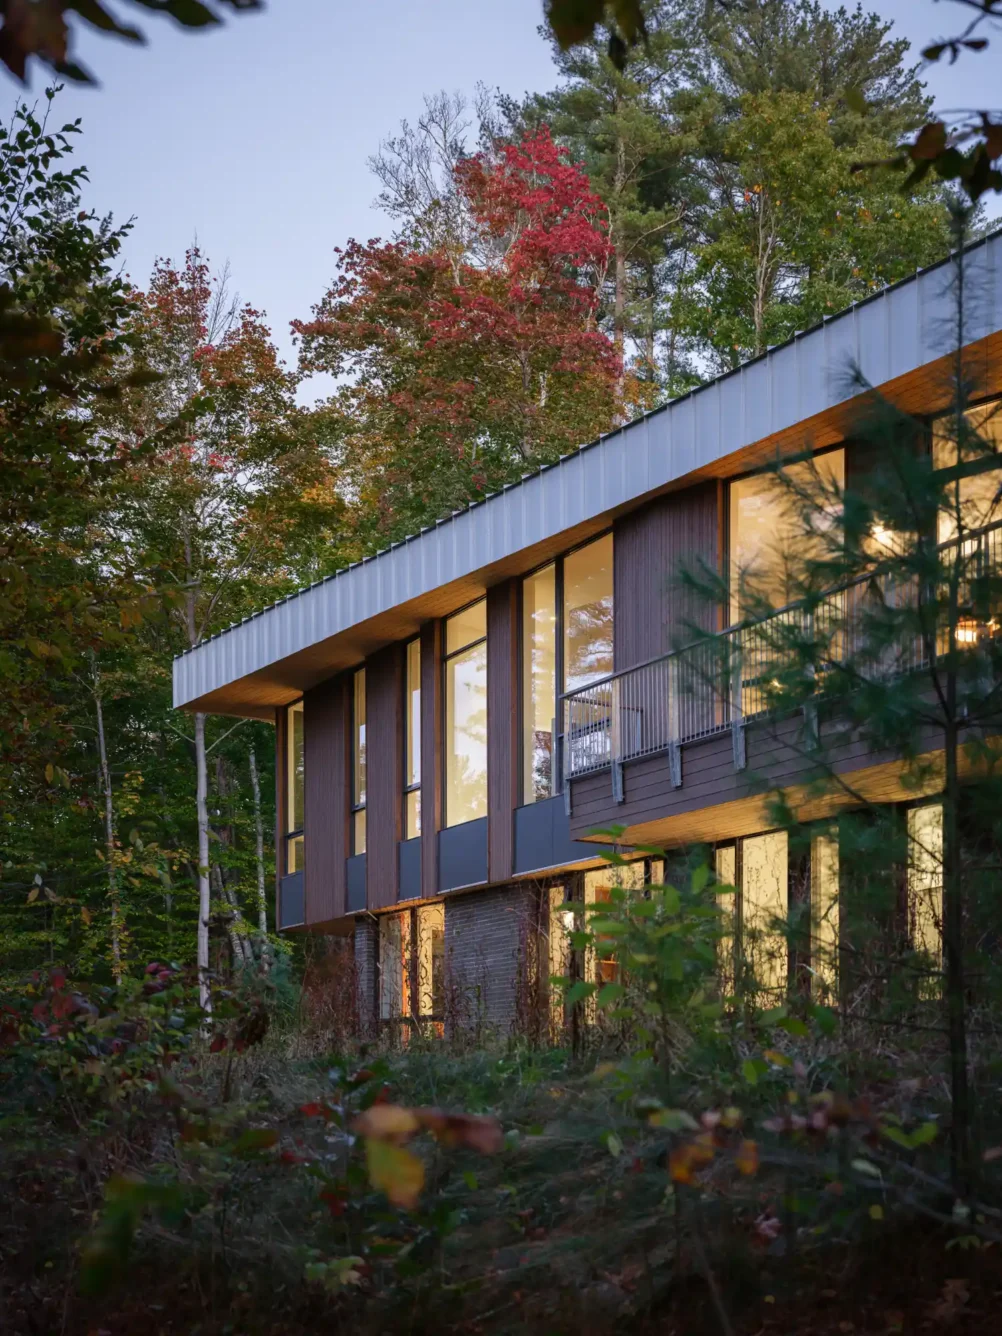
717	801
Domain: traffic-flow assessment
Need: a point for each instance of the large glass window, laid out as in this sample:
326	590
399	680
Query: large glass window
587	639
394	966
295	790
767	542
430	961
466	715
358	764
925	885
753	950
979	498
412	743
412	965
539	681
567	611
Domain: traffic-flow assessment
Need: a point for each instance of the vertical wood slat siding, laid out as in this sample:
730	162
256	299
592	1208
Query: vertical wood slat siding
502	727
281	804
325	815
431	754
384	735
652	546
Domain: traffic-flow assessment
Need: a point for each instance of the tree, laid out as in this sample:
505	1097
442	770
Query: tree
620	120
41	28
468	363
794	234
234	476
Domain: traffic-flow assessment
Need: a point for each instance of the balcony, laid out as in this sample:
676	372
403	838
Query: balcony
787	661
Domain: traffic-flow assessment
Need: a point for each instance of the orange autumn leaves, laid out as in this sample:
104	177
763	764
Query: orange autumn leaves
397	1171
716	1133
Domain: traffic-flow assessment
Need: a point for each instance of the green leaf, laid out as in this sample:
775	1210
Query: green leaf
793	1025
752	1069
254	1139
578	991
613	1144
925	1134
825	1019
773	1016
609	993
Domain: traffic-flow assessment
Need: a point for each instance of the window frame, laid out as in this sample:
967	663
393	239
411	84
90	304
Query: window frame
725	545
414	787
355	807
291	834
557	562
447	657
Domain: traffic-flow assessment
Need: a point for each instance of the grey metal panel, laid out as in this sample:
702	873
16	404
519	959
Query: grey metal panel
354	870
409	853
291	901
462	855
894	332
543	838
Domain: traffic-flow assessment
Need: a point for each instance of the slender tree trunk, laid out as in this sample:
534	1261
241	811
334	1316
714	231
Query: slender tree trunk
262	905
204	889
109	837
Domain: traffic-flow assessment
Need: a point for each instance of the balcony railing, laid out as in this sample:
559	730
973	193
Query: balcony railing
756	668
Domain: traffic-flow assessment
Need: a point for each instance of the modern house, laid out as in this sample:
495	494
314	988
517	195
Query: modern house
457	715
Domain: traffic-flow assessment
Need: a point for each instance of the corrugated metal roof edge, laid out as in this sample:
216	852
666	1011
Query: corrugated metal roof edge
588	445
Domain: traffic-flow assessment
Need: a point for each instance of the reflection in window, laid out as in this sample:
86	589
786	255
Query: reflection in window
559	926
601	965
764	895
394	969
295	793
768	544
539	681
358	762
824	915
726	867
588	613
925	884
466	715
412	743
979	500
430	961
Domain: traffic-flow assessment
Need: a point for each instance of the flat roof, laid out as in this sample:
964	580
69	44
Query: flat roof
270	657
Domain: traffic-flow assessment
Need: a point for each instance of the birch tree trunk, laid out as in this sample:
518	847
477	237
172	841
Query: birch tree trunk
204	889
262	905
109	836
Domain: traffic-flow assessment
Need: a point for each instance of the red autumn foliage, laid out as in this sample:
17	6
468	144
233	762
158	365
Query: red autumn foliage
466	364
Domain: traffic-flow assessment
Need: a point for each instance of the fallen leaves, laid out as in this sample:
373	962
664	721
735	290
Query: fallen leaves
398	1172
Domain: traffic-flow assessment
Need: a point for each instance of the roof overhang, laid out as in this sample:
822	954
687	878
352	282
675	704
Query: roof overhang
798	396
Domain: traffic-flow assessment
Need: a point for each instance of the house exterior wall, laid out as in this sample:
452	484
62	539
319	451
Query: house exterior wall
326	797
488	958
384	700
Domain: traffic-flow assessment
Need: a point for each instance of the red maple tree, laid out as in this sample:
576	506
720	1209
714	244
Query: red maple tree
464	365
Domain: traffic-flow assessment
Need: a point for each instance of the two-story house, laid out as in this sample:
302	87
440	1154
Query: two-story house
456	715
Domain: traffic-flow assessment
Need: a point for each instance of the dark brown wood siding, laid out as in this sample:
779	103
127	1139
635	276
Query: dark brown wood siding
384	734
431	753
281	801
502	727
325	816
653	546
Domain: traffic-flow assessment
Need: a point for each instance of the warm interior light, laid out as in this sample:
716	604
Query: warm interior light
967	632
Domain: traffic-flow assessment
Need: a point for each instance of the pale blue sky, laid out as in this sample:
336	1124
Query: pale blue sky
256	136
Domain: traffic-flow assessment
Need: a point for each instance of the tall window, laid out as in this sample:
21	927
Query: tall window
358	764
466	715
767	542
295	792
412	743
925	885
979	498
753	951
587	641
539	681
567	625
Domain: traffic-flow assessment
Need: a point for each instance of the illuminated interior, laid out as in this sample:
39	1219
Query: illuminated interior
588	625
412	743
539	681
768	544
394	975
358	762
466	715
430	962
977	499
925	883
824	915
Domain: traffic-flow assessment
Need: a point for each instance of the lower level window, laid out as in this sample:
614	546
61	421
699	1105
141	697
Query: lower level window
412	964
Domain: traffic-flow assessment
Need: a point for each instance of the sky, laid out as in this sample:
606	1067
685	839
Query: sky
254	137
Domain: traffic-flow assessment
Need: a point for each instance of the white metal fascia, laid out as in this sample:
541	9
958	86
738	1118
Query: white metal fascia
897	331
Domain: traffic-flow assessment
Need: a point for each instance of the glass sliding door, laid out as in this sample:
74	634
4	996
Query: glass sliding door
587	613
